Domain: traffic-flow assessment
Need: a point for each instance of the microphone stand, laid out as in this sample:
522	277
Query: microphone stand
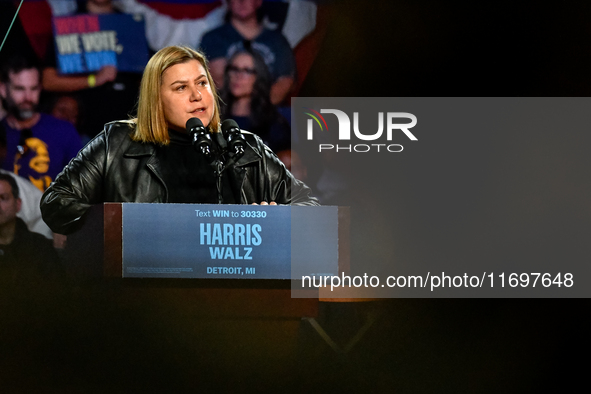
220	164
218	168
203	143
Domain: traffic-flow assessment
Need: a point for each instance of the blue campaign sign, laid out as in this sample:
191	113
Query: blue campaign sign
227	241
85	43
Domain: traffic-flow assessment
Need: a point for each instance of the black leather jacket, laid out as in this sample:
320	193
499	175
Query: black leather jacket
113	168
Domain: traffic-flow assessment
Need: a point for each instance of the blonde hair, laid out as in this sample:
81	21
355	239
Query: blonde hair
150	123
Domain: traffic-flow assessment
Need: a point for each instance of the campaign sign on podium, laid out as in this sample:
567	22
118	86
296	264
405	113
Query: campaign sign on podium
228	241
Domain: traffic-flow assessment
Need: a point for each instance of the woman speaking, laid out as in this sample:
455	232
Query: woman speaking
151	159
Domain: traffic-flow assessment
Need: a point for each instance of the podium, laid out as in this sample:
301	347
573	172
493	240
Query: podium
117	240
209	322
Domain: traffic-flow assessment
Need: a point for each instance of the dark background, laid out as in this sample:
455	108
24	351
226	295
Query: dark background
532	187
427	48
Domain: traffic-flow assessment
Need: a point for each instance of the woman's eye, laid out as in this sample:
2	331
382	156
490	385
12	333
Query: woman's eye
182	87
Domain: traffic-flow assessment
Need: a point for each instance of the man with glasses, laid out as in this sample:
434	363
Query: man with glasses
38	146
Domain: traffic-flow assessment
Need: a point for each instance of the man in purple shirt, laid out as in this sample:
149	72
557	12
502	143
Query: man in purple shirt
38	146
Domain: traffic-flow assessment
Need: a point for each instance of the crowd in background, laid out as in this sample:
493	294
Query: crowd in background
259	53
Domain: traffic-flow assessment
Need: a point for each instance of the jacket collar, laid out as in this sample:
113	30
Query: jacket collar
139	149
250	156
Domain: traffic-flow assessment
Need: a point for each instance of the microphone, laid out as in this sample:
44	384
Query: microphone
201	139
235	139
